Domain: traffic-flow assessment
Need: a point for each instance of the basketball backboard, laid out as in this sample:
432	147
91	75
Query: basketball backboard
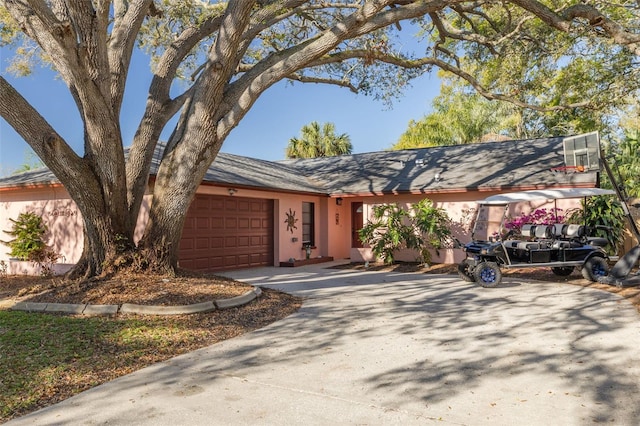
582	152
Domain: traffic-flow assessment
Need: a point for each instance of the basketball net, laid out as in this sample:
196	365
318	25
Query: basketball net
569	169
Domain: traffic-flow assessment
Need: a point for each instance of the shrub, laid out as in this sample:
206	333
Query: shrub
388	231
28	233
603	211
392	228
434	227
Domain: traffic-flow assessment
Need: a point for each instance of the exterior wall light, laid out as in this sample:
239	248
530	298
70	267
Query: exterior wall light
338	201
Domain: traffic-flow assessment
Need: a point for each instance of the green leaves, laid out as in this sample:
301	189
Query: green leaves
460	116
28	231
626	159
316	141
605	211
576	79
393	228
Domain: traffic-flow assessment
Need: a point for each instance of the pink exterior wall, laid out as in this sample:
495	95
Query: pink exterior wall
59	214
333	222
461	208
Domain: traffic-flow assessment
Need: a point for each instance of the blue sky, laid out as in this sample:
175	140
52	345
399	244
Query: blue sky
264	133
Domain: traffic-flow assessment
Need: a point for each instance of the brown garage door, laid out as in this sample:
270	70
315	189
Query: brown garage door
223	232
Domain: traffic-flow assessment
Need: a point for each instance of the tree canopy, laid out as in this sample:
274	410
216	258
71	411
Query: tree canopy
319	141
227	54
461	116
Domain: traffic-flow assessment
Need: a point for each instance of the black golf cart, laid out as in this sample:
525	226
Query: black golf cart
561	247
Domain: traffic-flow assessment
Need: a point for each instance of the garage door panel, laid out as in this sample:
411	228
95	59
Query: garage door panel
230	242
201	263
202	223
200	204
186	244
217	242
244	206
227	233
202	243
243	259
216	262
189	224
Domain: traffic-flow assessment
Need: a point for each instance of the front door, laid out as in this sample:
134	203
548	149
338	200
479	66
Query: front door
356	224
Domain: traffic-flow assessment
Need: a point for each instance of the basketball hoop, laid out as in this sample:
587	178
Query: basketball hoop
569	169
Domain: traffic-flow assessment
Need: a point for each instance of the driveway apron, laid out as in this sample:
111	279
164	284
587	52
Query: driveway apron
380	348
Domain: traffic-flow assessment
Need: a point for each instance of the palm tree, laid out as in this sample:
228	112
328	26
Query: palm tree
316	141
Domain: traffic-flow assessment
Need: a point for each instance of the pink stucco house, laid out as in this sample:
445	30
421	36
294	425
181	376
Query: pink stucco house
250	212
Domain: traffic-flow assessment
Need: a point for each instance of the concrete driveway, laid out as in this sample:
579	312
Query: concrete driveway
374	348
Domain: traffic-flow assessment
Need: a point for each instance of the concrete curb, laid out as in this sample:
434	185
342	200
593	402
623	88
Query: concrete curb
130	308
236	301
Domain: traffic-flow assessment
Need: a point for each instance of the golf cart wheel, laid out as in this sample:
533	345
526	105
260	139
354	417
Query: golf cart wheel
488	274
464	271
562	271
595	267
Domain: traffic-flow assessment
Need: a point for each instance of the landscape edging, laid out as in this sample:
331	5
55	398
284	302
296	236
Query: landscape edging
130	308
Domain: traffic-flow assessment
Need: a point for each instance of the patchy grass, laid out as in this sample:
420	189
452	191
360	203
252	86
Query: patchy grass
46	358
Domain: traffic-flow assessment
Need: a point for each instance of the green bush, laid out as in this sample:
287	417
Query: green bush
604	211
392	228
28	232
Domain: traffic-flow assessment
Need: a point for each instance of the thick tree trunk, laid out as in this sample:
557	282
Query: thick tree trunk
172	195
193	146
108	239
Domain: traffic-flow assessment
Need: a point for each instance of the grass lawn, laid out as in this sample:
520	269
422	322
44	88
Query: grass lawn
46	358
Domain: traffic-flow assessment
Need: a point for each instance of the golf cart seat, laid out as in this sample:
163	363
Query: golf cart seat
557	230
573	231
533	245
526	231
567	236
597	241
540	234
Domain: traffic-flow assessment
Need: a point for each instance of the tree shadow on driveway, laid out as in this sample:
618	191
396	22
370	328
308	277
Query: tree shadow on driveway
380	348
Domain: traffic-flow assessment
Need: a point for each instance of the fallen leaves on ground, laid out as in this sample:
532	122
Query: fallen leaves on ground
43	372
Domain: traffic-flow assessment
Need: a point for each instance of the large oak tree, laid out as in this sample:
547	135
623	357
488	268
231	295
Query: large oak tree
231	52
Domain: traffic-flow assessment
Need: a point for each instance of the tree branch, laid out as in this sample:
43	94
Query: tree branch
45	141
378	56
128	18
563	21
331	81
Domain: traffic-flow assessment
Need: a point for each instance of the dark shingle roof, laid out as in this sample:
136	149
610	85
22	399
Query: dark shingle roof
227	169
490	165
250	172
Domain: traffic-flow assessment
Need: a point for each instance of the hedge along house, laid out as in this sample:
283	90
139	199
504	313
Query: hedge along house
250	212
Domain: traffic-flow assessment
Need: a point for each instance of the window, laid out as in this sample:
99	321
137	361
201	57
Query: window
308	224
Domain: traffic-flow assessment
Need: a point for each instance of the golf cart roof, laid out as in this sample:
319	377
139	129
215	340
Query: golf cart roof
545	194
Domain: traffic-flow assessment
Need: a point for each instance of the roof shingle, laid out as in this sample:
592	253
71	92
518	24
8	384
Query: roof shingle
492	165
